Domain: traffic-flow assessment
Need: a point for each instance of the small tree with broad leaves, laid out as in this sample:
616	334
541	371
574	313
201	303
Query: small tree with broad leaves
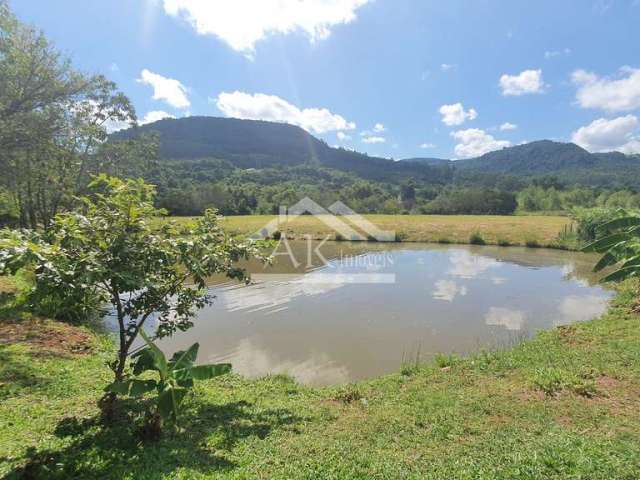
110	250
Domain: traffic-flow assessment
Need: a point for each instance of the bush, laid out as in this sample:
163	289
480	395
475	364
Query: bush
589	219
532	243
476	239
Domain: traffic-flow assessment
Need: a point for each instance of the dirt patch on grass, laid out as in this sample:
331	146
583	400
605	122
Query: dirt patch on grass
46	336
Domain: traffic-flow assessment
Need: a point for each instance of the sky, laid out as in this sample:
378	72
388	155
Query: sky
393	78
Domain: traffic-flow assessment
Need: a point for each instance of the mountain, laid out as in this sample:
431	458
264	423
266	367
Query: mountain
429	161
567	161
260	144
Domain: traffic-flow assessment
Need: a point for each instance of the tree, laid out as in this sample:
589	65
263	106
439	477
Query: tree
110	250
52	121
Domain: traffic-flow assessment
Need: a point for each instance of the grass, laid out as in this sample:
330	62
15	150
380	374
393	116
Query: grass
515	230
562	405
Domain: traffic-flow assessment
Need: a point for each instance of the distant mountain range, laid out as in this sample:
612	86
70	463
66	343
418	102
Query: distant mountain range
260	144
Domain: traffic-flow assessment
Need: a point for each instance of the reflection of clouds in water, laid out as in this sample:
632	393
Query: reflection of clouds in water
468	265
250	360
579	308
505	317
448	290
570	272
498	280
272	295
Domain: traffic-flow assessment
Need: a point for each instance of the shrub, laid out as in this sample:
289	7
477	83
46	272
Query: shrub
476	239
531	243
446	360
504	243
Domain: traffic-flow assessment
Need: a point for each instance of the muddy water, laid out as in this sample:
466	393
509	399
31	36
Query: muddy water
349	311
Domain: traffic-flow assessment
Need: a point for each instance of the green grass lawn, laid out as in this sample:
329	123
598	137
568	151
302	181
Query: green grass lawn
494	229
563	405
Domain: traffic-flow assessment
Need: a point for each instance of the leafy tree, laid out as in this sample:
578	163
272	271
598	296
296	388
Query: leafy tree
52	121
109	250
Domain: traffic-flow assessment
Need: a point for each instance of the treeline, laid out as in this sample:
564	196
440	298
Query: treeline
54	125
536	198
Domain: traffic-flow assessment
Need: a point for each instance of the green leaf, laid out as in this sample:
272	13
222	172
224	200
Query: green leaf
185	359
144	361
632	262
606	243
140	387
622	274
606	260
159	360
618	223
169	402
205	372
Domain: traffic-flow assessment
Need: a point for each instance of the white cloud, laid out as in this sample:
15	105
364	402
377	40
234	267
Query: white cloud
154	116
508	126
112	126
259	106
529	81
379	128
168	89
243	23
557	53
505	317
374	139
611	95
448	290
343	136
427	145
474	142
602	135
445	67
455	114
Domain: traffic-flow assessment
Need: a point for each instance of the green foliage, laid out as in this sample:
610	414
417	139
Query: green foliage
175	377
109	251
531	243
619	242
443	360
476	239
472	201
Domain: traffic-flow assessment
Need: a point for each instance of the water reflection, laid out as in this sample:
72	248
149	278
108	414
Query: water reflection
505	317
448	290
359	318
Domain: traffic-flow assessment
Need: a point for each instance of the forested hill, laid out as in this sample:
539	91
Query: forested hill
567	161
259	144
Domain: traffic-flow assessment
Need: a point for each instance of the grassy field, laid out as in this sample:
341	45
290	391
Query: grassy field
563	405
494	229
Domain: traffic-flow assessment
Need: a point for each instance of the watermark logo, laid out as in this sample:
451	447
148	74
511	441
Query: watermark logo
323	261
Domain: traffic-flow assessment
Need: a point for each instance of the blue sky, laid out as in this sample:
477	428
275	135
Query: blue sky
396	78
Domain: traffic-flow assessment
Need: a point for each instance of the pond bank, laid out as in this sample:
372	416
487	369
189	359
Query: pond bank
563	404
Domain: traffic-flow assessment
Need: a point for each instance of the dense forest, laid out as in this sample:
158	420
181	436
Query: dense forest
244	166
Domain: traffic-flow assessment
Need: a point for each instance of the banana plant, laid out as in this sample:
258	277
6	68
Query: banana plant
620	245
176	377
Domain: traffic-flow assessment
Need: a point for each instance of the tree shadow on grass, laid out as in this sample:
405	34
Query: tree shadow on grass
205	445
17	374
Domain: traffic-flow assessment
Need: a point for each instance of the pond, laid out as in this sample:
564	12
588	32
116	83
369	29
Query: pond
350	311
